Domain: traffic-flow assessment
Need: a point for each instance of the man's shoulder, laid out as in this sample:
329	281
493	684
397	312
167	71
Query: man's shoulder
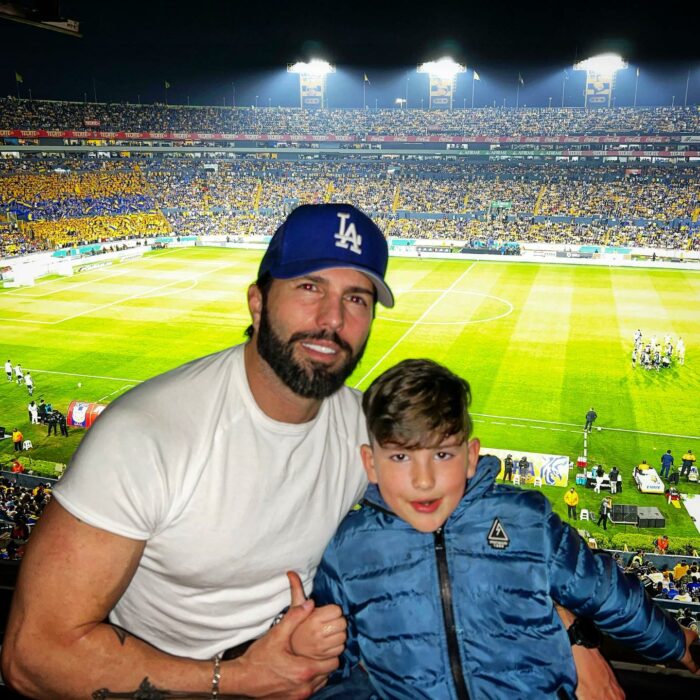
187	387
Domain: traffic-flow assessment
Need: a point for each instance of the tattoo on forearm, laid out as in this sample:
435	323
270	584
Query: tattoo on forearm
147	691
121	633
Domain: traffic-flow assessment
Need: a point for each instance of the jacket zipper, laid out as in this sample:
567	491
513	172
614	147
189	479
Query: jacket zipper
448	616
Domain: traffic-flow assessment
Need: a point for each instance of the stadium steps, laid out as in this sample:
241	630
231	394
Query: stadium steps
257	196
396	200
538	200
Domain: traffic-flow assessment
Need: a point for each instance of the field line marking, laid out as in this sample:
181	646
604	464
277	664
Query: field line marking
85	376
137	295
644	432
531	420
413	325
22	295
553	422
121	388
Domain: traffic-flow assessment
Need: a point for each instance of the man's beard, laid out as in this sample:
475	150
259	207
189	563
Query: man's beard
314	382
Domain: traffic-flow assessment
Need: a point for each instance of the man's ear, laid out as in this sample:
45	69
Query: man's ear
473	447
255	304
368	463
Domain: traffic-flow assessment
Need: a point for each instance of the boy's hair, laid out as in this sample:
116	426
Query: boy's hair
417	403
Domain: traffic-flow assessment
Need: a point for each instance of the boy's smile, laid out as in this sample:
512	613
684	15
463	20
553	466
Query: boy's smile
422	486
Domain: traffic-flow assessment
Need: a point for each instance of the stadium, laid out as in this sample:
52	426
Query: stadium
535	251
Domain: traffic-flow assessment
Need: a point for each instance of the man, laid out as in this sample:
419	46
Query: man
181	526
571	500
19	374
590	419
666	464
523	468
8	370
613	476
599	475
688	461
603	512
17	439
29	383
52	421
508	468
661	544
680	350
255	486
680	570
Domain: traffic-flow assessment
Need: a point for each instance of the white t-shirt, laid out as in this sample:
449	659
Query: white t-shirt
227	499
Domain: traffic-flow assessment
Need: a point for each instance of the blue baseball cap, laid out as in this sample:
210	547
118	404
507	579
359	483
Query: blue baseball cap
320	236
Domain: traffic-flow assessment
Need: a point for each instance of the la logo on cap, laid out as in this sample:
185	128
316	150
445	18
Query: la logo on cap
347	237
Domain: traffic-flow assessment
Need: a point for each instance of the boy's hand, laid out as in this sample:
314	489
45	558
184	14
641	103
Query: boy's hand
322	634
687	660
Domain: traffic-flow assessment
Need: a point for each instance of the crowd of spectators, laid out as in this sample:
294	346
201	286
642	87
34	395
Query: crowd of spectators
486	121
680	583
57	202
20	508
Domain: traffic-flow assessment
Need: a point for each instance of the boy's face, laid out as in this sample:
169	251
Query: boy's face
422	486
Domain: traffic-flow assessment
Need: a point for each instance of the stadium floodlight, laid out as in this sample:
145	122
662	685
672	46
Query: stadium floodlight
600	78
603	64
315	67
445	68
400	101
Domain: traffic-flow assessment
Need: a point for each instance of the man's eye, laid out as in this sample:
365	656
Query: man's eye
399	457
356	299
443	455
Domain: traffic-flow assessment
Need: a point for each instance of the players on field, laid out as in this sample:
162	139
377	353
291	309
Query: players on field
653	355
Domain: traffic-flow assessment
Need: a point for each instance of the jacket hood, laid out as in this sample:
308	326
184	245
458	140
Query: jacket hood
487	469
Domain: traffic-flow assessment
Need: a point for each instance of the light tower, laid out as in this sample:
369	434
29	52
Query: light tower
600	78
442	81
312	82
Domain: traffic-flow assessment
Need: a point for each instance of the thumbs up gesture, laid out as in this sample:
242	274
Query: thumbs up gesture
322	634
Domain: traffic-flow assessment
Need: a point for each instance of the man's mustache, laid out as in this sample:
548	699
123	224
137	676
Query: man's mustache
331	336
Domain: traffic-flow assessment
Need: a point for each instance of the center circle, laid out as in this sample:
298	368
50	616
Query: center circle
476	308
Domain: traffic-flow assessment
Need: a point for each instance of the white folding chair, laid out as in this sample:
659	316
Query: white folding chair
583	515
27	445
537	482
516	479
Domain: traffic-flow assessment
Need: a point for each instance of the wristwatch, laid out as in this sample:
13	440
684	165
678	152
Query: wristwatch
584	633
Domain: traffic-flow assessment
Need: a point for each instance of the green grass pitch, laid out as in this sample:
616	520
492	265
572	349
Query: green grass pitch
540	344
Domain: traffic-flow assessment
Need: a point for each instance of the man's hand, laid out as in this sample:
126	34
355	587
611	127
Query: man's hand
596	680
322	634
270	666
687	660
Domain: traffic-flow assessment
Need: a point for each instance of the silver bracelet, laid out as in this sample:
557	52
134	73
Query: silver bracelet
216	677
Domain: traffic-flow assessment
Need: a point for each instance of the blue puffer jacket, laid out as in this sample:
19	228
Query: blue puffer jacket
467	611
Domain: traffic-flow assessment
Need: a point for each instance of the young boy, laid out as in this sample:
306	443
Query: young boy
448	580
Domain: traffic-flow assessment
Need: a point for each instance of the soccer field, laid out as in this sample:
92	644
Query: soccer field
540	344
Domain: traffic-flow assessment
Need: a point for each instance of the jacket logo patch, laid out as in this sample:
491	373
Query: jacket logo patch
497	538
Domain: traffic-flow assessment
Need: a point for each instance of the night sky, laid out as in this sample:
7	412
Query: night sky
214	51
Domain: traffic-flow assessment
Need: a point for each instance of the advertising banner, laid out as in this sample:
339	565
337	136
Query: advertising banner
441	92
82	414
311	87
552	469
598	90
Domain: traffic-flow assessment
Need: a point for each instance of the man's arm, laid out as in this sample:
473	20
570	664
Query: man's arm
57	644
